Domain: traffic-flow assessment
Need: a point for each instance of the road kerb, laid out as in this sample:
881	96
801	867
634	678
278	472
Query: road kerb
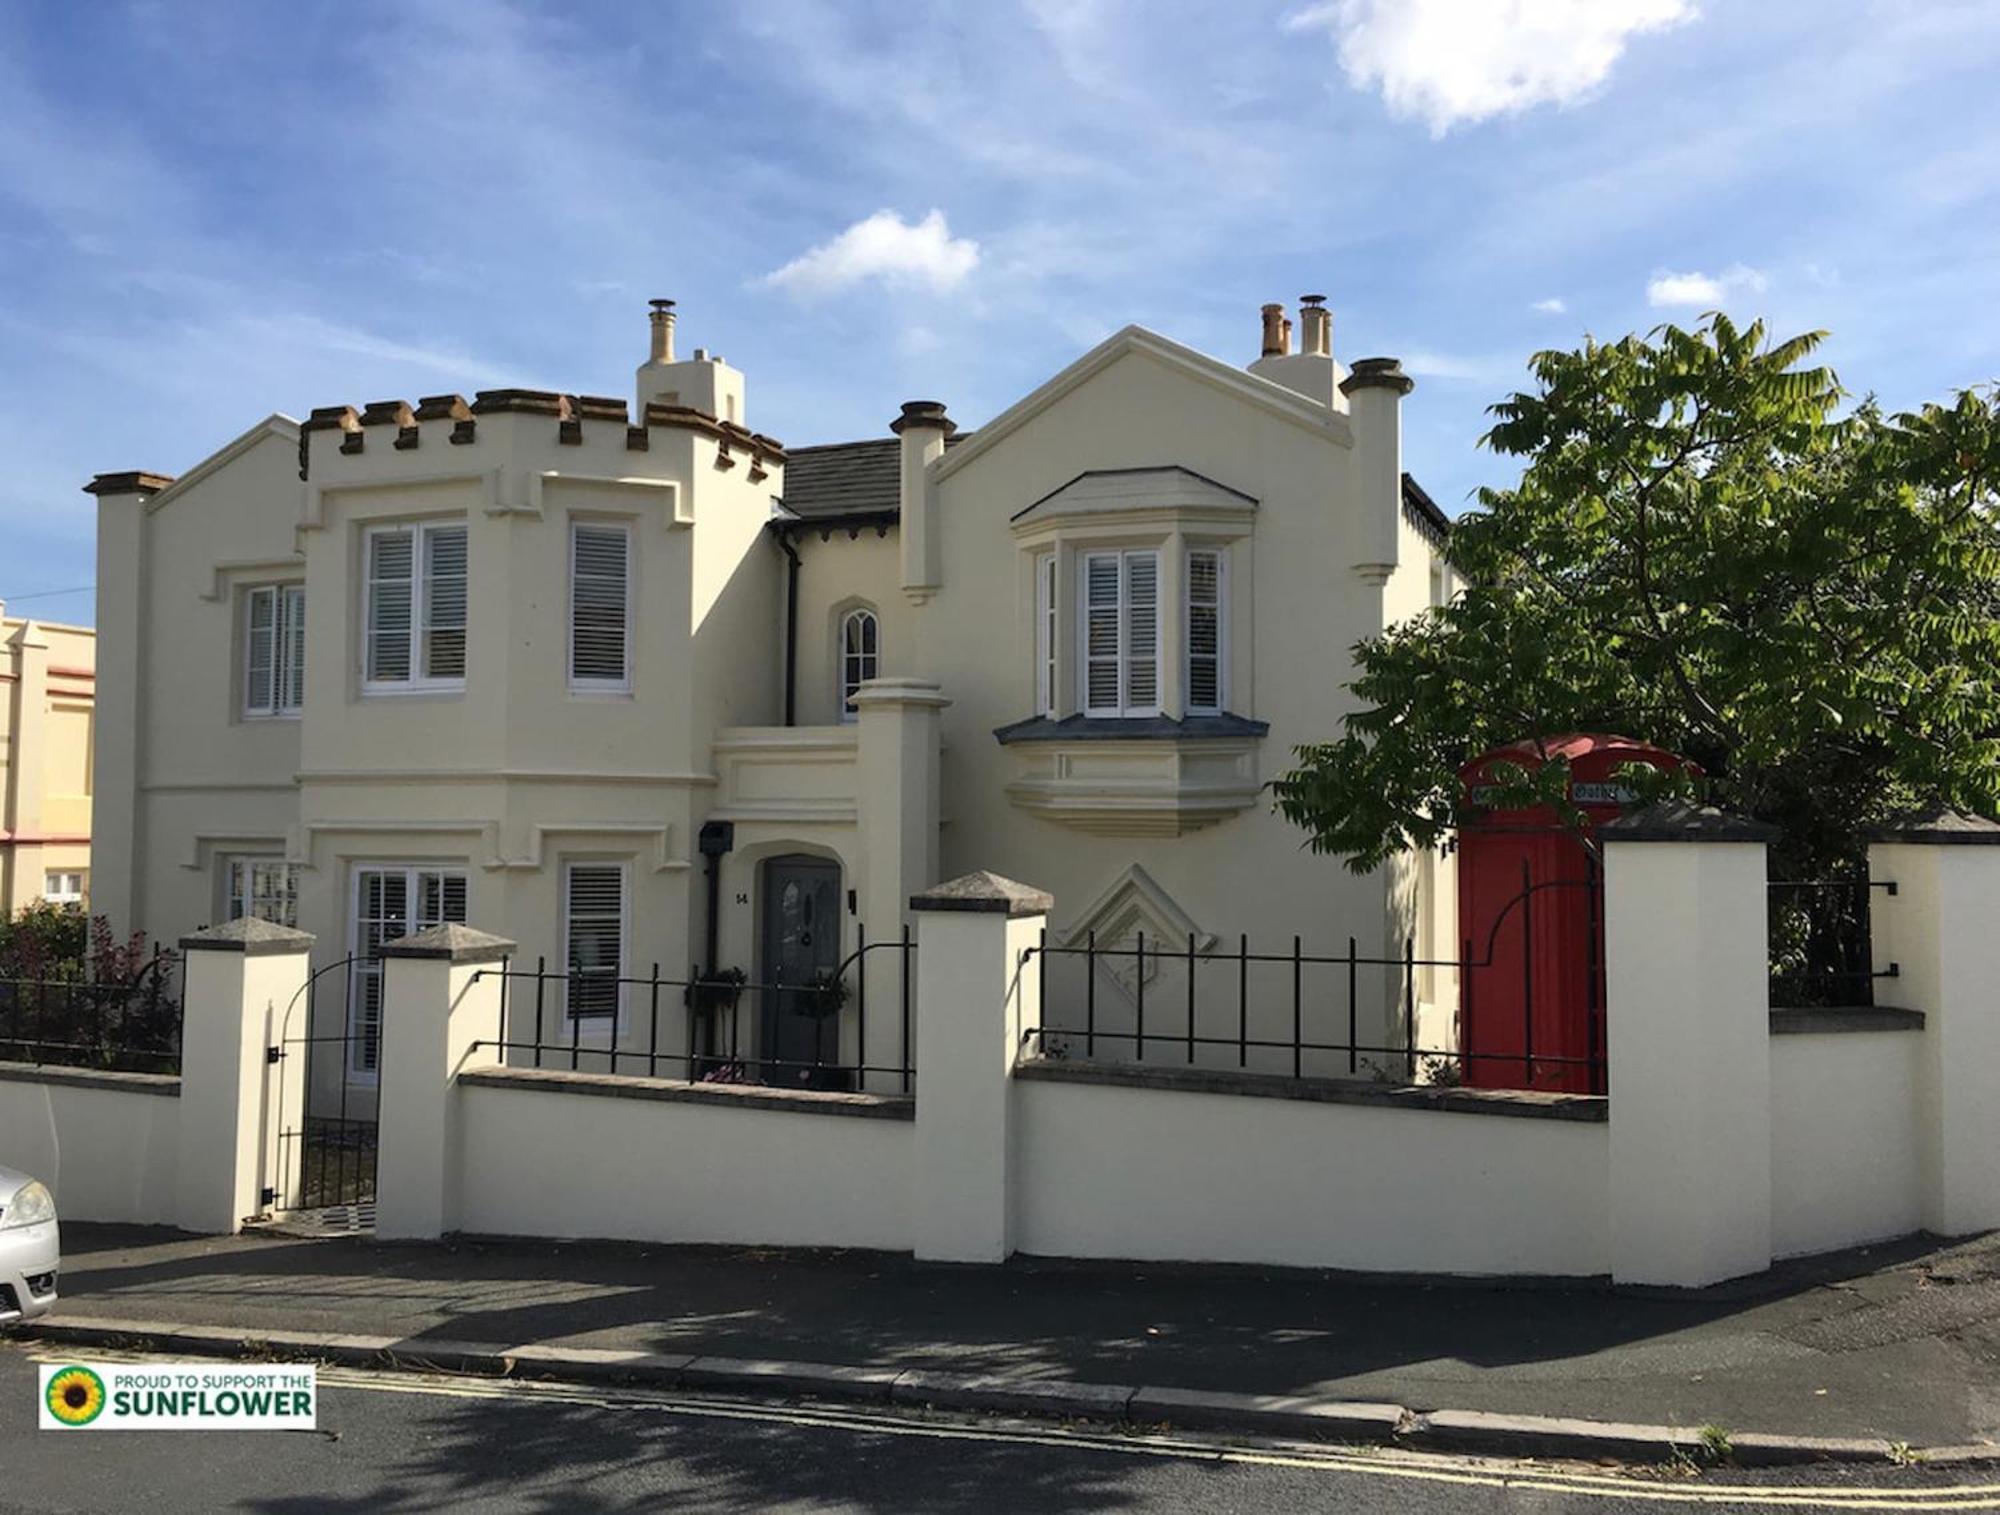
1278	1416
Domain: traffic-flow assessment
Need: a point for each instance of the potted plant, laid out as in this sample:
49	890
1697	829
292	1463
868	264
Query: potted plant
822	995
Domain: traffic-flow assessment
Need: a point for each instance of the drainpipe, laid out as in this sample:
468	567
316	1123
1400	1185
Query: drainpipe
791	553
715	841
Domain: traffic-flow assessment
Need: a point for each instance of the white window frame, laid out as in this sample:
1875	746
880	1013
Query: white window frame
362	972
1125	708
419	680
1221	556
288	645
239	884
622	685
64	892
844	685
570	866
1047	634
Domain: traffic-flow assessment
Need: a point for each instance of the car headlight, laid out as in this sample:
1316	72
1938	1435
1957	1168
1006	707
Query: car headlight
31	1205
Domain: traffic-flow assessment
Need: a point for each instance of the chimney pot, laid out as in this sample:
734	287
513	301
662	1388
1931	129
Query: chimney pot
1274	331
663	331
1317	320
922	413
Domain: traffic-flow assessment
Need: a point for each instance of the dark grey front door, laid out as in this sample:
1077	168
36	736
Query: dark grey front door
801	941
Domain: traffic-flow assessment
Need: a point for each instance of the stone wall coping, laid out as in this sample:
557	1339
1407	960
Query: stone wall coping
168	1084
1939	828
676	1091
984	893
1844	1018
451	943
1681	821
1532	1104
250	936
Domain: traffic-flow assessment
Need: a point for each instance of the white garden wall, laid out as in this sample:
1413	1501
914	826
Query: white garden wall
1845	1131
106	1144
538	1157
1157	1173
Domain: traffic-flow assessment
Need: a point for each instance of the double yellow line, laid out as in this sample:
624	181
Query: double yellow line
1423	1468
1467	1472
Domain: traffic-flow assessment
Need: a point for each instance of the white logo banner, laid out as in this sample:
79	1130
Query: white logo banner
179	1396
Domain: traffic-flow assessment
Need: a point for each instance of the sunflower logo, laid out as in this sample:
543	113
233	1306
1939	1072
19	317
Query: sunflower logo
76	1396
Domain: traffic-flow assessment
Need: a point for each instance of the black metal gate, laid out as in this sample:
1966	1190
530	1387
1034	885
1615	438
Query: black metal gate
326	1066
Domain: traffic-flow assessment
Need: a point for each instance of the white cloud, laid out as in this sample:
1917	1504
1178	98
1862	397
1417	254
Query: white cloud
1447	62
884	247
1704	290
1550	307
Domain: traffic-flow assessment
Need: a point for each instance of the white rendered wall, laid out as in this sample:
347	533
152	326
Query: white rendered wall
565	1165
1846	1161
1159	1174
107	1154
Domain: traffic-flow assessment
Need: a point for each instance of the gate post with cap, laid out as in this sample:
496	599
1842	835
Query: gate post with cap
239	980
978	996
1941	928
441	992
1688	1044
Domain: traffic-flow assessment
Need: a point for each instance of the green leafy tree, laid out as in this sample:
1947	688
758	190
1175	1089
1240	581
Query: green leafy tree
1705	552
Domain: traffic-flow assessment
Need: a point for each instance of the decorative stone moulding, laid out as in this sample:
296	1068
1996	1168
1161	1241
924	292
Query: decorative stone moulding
1151	777
570	413
1133	903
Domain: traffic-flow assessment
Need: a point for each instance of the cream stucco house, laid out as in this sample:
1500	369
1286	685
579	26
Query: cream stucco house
648	688
47	689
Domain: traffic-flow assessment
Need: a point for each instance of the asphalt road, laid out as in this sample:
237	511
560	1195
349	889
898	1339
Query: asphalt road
399	1442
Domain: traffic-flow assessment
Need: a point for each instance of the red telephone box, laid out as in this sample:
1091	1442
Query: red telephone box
1531	920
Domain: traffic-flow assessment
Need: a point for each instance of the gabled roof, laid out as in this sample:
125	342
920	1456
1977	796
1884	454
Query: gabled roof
1250	388
276	424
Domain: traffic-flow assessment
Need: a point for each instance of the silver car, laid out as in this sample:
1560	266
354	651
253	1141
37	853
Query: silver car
30	1251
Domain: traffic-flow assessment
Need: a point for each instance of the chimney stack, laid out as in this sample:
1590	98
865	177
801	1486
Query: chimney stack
1277	338
663	331
922	429
1317	338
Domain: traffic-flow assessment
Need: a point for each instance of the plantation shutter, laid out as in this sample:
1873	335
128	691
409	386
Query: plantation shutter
1204	634
1045	634
260	653
266	888
598	599
444	602
292	642
595	930
1100	618
391	600
1142	632
440	900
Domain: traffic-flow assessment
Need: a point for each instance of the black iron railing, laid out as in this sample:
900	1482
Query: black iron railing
1822	952
124	1026
727	1022
1318	1003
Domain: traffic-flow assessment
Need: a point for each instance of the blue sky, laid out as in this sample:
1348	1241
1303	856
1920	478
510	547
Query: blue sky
211	212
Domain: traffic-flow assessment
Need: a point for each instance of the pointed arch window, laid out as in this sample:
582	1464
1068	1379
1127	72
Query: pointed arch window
860	655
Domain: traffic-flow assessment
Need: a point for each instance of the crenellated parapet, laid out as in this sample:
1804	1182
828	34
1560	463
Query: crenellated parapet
408	426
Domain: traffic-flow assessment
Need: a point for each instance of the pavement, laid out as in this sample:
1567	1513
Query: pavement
1894	1346
391	1443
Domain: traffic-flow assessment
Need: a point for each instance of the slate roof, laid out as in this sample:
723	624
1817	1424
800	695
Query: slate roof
862	480
848	479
